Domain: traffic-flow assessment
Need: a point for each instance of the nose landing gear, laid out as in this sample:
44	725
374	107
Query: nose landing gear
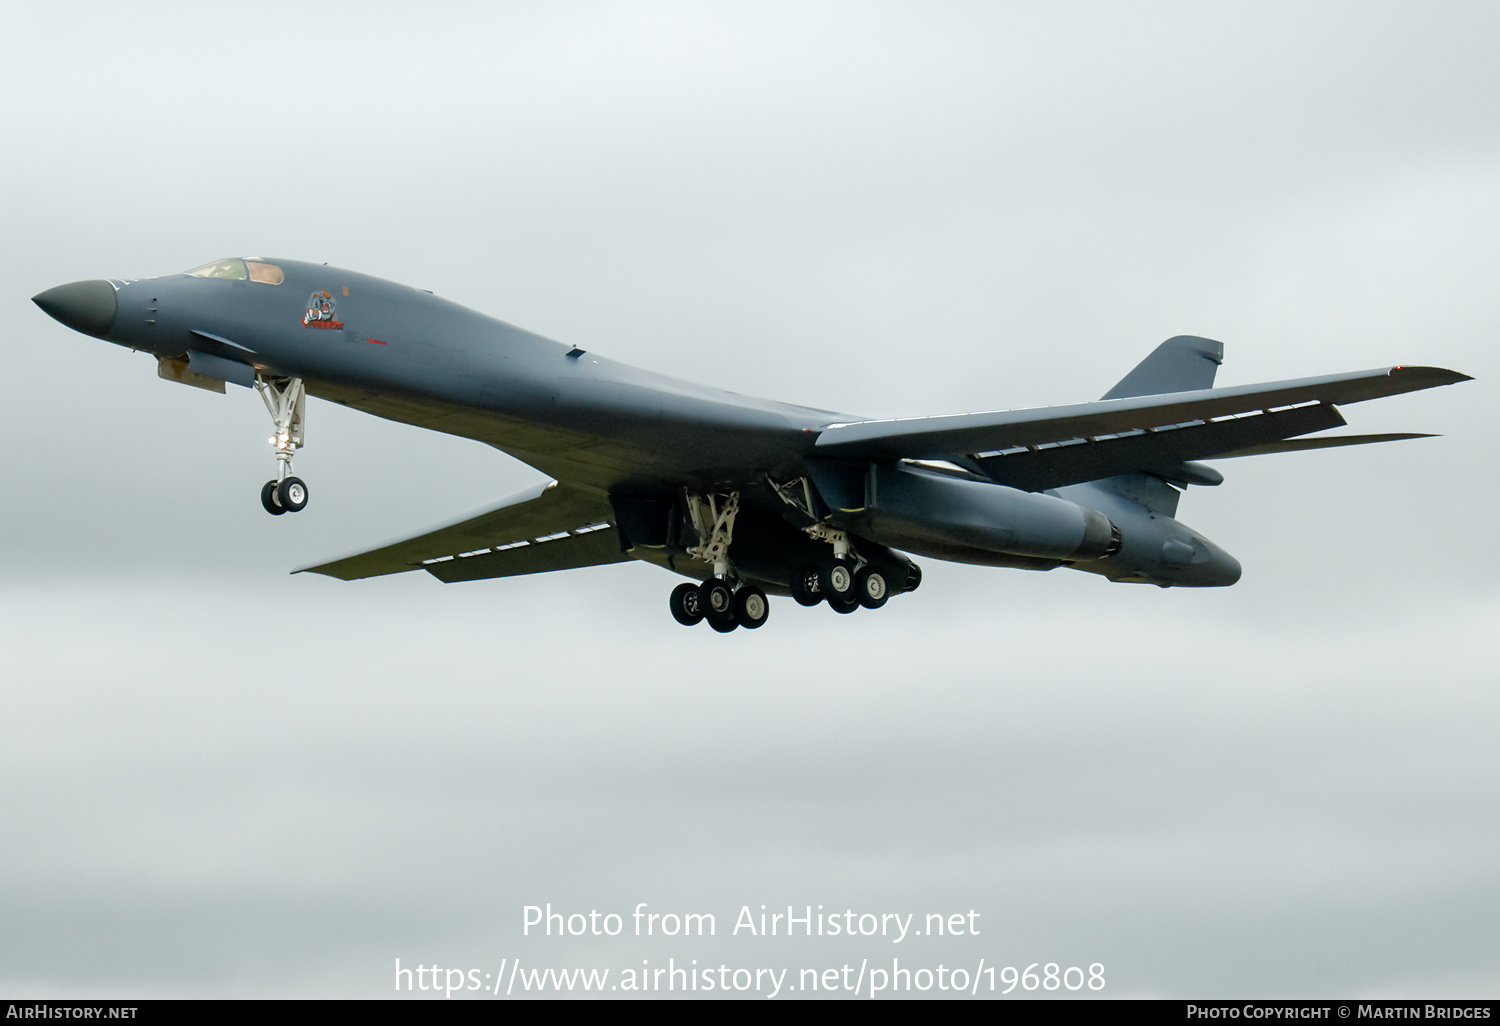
285	400
288	495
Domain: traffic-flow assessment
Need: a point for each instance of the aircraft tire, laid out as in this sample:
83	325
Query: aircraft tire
291	494
722	626
836	579
870	585
843	605
804	586
268	499
751	607
684	604
716	600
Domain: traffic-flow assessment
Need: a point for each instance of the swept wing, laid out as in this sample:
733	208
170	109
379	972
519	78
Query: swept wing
1059	445
548	527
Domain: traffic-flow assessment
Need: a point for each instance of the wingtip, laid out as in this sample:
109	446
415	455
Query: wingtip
1429	377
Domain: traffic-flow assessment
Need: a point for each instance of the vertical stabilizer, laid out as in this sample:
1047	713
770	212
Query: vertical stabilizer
1185	363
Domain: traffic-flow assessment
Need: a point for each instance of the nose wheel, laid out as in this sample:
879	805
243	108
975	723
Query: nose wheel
285	400
288	496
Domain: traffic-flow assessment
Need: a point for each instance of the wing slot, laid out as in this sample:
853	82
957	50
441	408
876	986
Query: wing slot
544	528
947	437
562	550
1156	451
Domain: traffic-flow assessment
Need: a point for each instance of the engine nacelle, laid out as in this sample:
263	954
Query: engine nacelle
928	512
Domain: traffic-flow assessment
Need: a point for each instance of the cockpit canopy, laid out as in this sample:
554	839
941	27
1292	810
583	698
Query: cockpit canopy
234	268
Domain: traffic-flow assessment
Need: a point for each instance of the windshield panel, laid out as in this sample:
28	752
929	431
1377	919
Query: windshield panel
231	268
266	274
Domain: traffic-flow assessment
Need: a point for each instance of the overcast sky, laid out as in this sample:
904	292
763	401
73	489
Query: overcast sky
216	779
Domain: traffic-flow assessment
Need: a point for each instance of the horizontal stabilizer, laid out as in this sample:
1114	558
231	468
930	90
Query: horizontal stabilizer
949	437
1299	444
548	527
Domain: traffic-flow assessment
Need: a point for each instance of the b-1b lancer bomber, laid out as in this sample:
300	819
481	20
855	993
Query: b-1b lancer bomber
745	497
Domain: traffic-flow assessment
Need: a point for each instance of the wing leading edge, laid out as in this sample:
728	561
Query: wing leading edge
548	527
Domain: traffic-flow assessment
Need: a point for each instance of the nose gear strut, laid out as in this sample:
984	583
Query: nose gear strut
286	400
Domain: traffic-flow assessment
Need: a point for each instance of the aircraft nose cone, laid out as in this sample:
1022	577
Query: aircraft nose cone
1223	570
86	306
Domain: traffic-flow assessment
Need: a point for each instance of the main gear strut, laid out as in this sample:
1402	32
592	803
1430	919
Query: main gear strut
721	600
845	580
714	522
715	526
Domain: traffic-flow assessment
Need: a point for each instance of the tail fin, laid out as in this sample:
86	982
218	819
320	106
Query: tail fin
1185	363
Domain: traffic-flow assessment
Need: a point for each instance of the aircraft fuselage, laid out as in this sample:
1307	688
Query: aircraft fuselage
650	446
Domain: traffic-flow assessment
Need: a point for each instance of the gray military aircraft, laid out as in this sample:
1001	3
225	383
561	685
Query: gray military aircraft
745	495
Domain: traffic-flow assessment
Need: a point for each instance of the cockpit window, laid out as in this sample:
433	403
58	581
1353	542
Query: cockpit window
221	269
266	274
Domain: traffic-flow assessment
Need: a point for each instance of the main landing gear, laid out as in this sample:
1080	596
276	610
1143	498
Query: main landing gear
842	584
841	579
724	606
723	602
285	400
